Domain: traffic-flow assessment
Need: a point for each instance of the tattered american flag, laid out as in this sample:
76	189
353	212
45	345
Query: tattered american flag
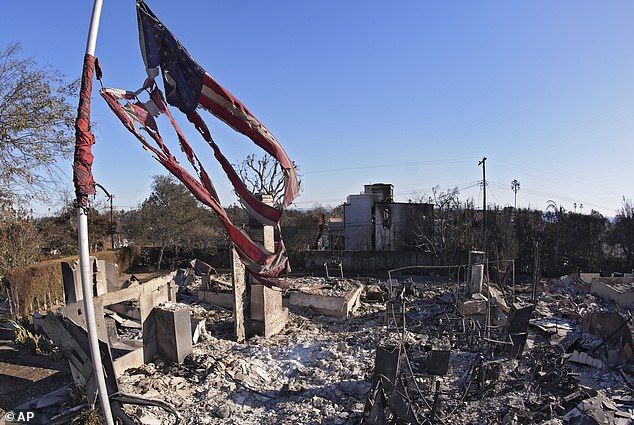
188	86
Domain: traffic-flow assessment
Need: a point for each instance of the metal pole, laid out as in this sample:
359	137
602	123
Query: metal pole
488	317
515	186
84	257
91	44
513	290
111	225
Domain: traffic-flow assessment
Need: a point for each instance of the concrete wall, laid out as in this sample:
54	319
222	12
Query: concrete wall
373	261
373	224
357	212
618	289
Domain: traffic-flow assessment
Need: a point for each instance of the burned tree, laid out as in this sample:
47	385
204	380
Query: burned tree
622	231
264	175
451	228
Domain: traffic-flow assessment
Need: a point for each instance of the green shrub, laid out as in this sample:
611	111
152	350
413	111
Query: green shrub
30	340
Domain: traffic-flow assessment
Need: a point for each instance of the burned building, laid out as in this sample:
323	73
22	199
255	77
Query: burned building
372	221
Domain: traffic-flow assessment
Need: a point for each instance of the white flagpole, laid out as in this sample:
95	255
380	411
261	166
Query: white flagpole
84	257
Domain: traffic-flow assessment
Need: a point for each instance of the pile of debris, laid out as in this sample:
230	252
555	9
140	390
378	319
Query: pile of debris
317	370
479	361
412	350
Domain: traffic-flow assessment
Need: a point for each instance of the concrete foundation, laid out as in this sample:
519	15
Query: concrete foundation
220	299
618	289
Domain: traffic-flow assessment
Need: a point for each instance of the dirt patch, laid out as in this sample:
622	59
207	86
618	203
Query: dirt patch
24	376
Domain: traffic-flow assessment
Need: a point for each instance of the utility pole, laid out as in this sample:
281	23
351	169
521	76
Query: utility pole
484	203
515	186
110	197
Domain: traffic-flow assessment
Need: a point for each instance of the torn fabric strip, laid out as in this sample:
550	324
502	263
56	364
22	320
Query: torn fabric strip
264	265
84	139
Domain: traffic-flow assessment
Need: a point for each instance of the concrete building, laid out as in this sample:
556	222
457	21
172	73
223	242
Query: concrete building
372	221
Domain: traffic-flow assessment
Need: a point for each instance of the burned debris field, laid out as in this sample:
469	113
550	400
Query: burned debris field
421	345
409	353
416	280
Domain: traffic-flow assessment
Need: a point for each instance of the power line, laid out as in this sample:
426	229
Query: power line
402	164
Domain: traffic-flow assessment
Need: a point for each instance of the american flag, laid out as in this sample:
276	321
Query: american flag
188	86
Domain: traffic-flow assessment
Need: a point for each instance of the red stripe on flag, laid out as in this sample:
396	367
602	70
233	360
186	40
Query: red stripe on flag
267	264
264	213
230	115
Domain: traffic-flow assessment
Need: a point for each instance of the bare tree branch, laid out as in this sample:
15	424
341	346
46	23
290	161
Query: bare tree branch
263	175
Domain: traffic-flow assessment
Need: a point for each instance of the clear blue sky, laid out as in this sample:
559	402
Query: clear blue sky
412	93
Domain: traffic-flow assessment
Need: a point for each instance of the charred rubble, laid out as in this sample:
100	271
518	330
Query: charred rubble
415	347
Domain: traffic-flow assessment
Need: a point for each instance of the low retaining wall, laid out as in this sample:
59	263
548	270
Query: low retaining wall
373	261
618	289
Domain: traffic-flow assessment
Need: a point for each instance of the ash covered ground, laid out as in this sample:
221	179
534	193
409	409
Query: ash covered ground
321	370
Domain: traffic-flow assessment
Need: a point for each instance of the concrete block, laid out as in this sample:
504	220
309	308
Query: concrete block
72	281
264	300
133	358
143	299
475	284
173	331
112	276
271	325
268	316
71	275
471	307
99	276
240	297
